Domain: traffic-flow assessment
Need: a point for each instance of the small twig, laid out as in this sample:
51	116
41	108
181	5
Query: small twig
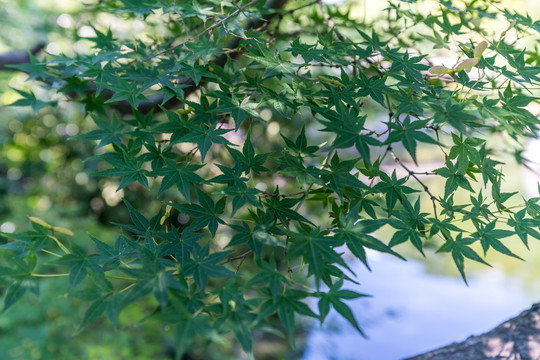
267	194
242	258
413	174
207	30
239	265
329	22
390	111
422	173
301	7
281	15
181	19
191	152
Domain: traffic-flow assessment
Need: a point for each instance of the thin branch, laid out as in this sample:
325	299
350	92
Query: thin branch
234	258
302	6
205	31
242	258
329	22
423	173
390	111
267	194
413	174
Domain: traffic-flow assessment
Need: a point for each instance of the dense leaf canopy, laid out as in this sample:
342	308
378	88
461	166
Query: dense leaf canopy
273	138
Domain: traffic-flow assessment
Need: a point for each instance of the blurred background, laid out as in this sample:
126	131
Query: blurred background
42	174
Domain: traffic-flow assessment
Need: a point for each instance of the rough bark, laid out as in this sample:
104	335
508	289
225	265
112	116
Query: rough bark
515	339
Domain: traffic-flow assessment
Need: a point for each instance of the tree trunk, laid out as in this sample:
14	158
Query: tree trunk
515	339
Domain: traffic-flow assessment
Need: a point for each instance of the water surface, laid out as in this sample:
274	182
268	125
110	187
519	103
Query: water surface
412	312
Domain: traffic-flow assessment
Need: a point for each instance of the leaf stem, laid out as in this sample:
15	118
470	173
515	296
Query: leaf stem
49	275
120	278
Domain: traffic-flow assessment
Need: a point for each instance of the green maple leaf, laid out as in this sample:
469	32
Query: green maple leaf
524	227
205	265
29	99
27	242
123	90
247	160
280	208
409	66
289	304
183	176
454	113
465	151
293	166
205	214
177	125
236	186
347	124
195	72
393	189
103	41
239	110
308	52
272	62
82	264
340	176
127	166
454	179
205	136
334	297
241	196
460	250
355	234
269	277
316	248
35	70
110	256
491	238
300	145
373	86
409	133
410	225
231	177
107	132
158	155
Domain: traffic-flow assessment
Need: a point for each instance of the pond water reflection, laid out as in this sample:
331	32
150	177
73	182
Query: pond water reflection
412	312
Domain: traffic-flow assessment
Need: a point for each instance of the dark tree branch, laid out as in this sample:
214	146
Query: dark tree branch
18	57
144	107
124	106
517	338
